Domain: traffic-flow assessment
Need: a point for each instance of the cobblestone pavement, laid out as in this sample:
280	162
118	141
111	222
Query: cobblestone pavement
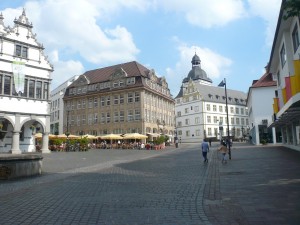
164	189
260	185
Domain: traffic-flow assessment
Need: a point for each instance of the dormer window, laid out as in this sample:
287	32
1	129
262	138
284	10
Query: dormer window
229	98
21	51
210	96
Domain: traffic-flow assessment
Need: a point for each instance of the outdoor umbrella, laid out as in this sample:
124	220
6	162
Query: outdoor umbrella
71	136
88	136
40	135
134	136
111	137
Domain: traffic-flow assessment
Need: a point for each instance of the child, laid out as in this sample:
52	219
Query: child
223	149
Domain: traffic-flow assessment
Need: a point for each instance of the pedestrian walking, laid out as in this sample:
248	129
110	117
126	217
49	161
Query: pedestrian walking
205	149
176	142
209	142
224	150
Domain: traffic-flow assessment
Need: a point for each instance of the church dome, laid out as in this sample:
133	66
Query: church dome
196	72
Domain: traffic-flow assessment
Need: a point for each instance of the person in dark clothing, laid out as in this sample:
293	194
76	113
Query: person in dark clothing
205	150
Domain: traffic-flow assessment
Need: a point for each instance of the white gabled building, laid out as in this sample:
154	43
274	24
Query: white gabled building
24	88
284	63
201	109
57	106
261	114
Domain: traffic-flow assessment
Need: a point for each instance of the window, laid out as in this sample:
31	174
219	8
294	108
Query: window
243	121
295	37
282	56
187	121
7	85
121	116
209	131
237	110
83	103
26	87
39	90
231	110
116	117
45	92
21	51
221	119
197	120
130	98
208	119
121	99
102	101
107	117
78	120
137	114
196	109
242	111
238	121
137	97
83	119
108	100
90	119
178	113
187	133
214	108
31	89
90	102
186	110
208	107
79	104
96	118
215	119
131	80
130	115
102	117
116	100
220	108
179	124
232	121
95	102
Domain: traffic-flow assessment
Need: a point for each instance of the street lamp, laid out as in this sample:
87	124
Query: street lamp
67	133
223	84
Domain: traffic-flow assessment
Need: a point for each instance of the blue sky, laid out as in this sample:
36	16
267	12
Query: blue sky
233	38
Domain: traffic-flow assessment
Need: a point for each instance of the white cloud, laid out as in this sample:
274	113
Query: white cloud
270	16
215	65
203	13
73	28
63	70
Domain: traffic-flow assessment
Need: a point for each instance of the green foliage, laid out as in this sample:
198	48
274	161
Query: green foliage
159	140
292	8
57	141
263	141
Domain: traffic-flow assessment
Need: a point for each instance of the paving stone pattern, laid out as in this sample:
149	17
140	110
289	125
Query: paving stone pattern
160	190
259	186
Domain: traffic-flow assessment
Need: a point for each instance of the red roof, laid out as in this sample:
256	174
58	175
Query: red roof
131	68
265	81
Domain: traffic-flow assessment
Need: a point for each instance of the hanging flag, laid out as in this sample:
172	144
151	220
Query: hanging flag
222	84
19	75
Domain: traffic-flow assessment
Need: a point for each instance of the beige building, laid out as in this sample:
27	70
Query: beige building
123	98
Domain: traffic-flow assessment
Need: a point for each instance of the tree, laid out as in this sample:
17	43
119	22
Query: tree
292	8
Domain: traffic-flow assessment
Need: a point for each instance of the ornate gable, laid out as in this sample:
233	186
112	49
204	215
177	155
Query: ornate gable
82	80
118	73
